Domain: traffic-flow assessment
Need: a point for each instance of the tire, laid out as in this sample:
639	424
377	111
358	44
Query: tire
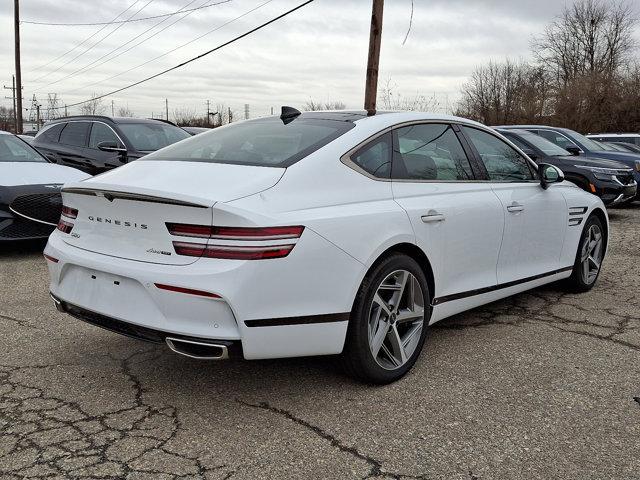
380	306
593	255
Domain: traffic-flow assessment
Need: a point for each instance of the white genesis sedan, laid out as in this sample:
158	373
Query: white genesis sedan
319	234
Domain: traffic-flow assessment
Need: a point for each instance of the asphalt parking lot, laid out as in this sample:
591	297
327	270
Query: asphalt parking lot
542	385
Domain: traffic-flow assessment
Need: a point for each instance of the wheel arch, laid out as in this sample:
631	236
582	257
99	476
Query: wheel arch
602	216
416	253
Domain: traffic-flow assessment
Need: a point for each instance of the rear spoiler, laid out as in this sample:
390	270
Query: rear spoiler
111	195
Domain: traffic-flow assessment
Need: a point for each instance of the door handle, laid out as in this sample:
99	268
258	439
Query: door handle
515	207
433	216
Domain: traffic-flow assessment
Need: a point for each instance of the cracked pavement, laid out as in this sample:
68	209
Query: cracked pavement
541	385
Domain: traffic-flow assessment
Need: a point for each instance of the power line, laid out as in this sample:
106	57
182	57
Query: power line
174	49
120	21
94	64
86	39
193	59
94	45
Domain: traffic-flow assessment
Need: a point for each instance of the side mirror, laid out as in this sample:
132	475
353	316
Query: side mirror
549	174
573	150
111	147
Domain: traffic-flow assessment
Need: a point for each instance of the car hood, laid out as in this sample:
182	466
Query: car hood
589	162
626	158
37	173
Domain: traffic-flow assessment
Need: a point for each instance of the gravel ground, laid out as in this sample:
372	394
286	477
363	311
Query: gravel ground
542	385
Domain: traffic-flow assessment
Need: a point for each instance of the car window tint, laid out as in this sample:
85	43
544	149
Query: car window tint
375	157
503	163
75	134
52	133
430	151
149	137
102	133
267	142
556	138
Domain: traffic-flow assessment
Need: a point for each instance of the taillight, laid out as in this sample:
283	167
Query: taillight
50	258
67	213
234	252
65	227
231	252
188	291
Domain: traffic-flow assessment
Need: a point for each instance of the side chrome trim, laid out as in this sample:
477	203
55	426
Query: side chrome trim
32	219
304	320
480	291
111	195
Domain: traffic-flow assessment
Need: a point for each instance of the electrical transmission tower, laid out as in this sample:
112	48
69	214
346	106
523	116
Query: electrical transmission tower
33	109
53	105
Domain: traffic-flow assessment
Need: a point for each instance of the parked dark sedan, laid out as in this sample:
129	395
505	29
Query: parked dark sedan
610	180
97	143
580	145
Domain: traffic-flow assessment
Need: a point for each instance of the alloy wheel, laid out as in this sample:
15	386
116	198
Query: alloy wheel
396	319
591	254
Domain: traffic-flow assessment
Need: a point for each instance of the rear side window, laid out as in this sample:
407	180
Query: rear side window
52	133
375	157
75	134
429	151
102	133
265	142
502	162
556	138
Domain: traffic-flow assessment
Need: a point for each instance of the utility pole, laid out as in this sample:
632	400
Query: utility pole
65	110
375	38
16	19
13	97
208	114
230	115
246	111
38	117
166	107
112	110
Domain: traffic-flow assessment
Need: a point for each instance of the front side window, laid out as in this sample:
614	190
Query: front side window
502	162
149	137
556	138
13	149
102	133
75	134
429	151
266	142
375	157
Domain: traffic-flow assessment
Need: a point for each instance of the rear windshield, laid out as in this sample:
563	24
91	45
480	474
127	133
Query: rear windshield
148	137
265	142
12	149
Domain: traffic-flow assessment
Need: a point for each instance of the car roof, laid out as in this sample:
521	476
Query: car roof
613	135
102	118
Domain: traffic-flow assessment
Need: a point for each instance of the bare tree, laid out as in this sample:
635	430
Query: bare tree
392	99
93	106
125	112
313	106
589	37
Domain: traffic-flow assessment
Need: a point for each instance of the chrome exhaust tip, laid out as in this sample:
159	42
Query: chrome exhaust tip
198	350
58	304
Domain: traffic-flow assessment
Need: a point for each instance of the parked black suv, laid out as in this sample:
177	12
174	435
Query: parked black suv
96	143
610	180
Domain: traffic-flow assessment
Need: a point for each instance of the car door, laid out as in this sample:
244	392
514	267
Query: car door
457	220
535	219
101	132
72	149
46	141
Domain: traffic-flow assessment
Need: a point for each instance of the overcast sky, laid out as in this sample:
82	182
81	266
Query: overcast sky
317	52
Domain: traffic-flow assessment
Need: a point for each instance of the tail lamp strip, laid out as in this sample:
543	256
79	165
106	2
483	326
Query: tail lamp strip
188	291
231	252
235	233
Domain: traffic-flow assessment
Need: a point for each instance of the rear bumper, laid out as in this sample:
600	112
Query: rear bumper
294	306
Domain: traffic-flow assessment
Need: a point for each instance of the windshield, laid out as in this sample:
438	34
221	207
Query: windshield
149	137
548	148
12	149
265	142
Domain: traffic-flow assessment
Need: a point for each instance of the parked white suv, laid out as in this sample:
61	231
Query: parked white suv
319	233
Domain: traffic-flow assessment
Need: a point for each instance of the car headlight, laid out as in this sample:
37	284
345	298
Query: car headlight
606	173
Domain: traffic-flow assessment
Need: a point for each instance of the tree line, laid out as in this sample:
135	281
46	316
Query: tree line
583	75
